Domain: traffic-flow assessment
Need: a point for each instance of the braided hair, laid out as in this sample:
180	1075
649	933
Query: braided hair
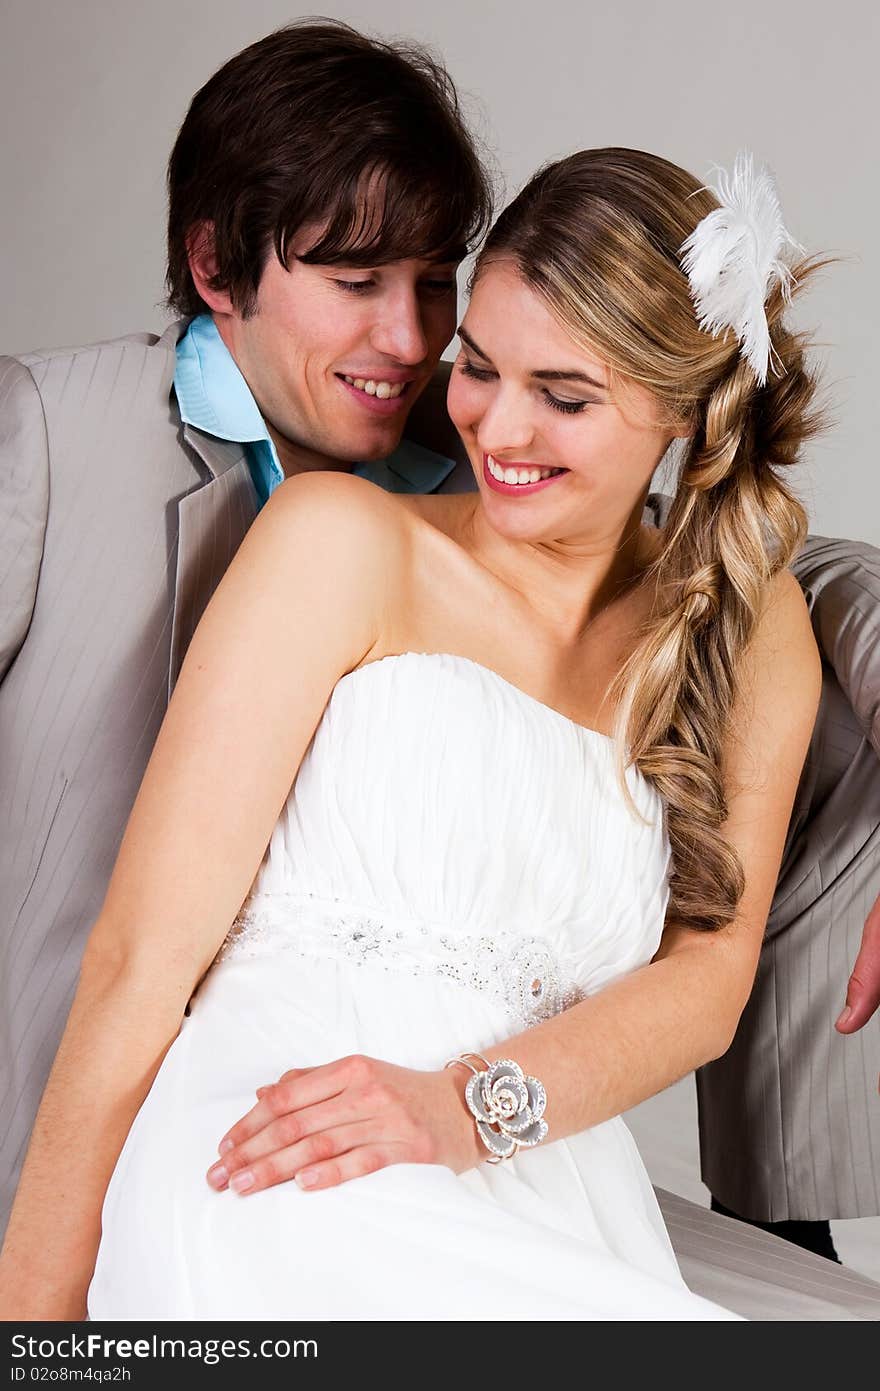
598	236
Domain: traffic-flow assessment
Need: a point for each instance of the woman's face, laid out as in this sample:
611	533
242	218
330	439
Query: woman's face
554	457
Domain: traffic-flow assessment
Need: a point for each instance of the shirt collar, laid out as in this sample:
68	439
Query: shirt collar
214	397
410	469
211	392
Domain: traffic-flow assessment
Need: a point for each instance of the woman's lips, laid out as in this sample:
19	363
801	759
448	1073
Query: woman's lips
518	489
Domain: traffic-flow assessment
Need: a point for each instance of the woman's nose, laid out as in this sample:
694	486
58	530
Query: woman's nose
505	425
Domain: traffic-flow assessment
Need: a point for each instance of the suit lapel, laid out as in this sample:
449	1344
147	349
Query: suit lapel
212	523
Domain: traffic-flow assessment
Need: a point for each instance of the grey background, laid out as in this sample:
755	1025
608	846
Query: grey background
92	94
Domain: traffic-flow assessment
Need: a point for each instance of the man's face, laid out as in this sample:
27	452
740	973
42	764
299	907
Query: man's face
336	357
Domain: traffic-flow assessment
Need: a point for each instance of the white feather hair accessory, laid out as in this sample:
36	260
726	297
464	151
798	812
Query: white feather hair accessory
736	255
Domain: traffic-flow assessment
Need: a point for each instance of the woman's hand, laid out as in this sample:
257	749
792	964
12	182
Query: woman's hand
325	1125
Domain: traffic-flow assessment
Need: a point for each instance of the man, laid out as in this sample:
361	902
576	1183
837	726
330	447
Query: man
322	192
789	1116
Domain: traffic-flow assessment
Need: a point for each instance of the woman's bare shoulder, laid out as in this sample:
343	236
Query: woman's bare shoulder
446	512
330	491
337	510
331	488
352	531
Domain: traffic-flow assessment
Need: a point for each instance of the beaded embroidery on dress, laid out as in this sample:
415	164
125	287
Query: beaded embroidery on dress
455	863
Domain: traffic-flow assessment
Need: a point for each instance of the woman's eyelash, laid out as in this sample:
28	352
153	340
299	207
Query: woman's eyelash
468	369
567	407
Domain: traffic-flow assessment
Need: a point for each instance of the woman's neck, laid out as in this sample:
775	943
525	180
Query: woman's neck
566	583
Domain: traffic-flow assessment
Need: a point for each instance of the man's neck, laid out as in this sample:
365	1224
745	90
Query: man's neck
294	458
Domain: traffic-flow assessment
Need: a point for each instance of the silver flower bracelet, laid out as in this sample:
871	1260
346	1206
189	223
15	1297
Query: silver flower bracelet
506	1105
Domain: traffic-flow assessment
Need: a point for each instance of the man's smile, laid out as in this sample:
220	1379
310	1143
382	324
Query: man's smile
381	395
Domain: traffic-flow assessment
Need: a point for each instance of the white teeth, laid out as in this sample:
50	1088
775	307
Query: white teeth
386	391
519	476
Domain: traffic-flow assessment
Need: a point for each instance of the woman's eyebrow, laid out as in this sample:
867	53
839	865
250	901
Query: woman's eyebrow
573	374
474	347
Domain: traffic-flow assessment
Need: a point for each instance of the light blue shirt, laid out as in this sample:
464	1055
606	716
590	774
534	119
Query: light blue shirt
214	397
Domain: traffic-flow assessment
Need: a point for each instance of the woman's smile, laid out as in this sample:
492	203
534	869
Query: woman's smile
520	478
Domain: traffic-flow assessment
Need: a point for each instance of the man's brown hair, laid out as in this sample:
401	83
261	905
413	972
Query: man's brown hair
297	129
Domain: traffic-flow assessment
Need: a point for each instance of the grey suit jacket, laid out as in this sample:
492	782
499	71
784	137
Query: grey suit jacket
116	524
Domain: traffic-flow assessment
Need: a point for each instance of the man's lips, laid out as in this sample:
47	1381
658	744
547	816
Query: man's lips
518	489
390	405
383	374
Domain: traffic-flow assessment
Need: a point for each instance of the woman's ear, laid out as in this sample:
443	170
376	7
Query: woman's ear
202	259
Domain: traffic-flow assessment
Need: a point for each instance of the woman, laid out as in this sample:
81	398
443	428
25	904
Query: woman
543	760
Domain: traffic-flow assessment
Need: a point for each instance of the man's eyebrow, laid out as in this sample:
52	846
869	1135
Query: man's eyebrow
573	374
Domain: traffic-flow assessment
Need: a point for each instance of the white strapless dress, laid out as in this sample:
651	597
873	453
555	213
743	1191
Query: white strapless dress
455	862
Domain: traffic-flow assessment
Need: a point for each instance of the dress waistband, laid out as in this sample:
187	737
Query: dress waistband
524	972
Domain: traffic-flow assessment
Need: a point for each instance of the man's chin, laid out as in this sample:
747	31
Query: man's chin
375	445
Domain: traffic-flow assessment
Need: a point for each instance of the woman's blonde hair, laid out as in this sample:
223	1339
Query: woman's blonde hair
598	236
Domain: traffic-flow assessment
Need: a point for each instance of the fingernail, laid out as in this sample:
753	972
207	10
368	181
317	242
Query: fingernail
242	1181
225	1146
844	1016
217	1175
307	1178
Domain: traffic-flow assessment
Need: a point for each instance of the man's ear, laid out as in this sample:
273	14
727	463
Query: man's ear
203	267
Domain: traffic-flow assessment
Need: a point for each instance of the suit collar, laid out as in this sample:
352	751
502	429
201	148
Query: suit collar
217	455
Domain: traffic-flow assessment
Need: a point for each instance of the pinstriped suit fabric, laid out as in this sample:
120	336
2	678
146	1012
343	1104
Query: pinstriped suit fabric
128	522
213	522
759	1275
790	1117
84	695
24	503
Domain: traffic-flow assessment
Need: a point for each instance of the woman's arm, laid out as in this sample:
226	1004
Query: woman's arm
301	604
647	1030
616	1048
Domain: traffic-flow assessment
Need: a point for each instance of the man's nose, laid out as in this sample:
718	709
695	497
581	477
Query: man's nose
400	331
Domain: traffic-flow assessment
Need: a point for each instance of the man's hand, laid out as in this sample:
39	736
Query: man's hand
325	1125
863	990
